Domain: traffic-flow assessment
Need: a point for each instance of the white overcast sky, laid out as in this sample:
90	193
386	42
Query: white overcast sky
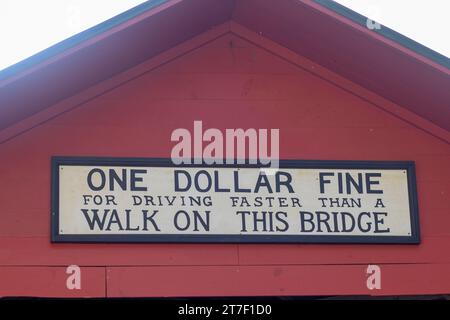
29	26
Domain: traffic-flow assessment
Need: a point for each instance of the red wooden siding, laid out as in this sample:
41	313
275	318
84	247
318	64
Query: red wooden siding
228	82
266	280
50	281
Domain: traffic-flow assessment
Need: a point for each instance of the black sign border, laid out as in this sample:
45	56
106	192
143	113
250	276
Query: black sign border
409	166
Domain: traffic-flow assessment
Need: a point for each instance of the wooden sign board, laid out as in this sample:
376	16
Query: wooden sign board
152	200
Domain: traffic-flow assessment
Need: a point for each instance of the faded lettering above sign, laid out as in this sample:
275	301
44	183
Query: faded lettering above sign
150	200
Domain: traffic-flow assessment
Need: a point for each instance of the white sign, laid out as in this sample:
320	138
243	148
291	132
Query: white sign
151	200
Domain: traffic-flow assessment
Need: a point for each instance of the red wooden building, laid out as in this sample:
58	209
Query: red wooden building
336	89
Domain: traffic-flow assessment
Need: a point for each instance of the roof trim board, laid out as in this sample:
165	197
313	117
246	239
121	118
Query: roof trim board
78	100
151	4
423	96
